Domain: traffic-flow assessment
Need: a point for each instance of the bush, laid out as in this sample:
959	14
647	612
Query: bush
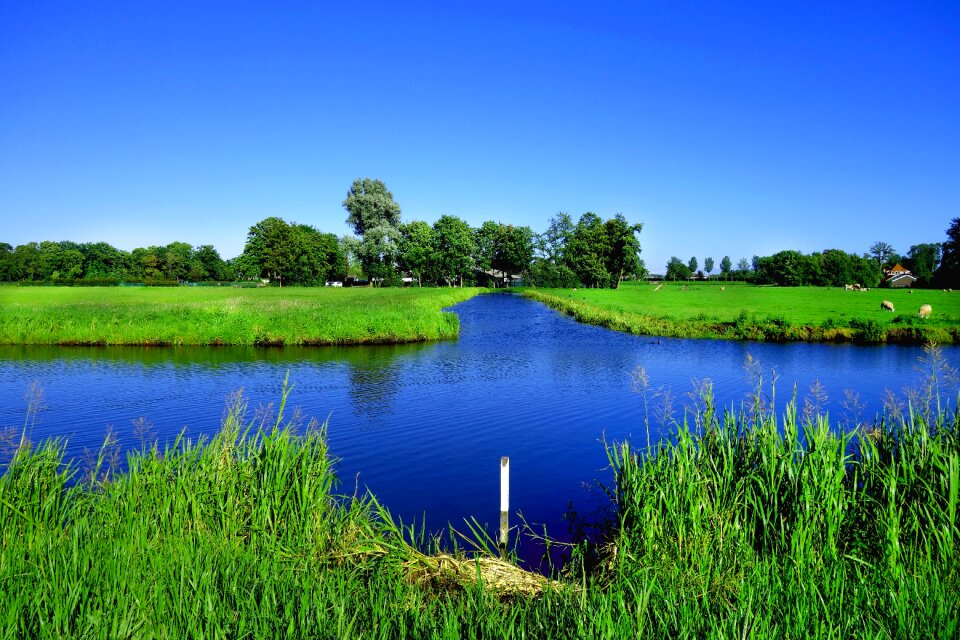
548	275
97	282
869	330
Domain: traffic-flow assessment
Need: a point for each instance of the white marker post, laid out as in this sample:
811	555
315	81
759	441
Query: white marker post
504	502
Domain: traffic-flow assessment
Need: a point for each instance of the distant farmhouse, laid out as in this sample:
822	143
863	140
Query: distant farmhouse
897	278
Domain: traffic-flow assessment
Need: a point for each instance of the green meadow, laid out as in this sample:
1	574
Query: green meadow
226	315
747	312
746	526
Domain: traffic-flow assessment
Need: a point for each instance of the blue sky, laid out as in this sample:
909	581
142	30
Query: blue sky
725	128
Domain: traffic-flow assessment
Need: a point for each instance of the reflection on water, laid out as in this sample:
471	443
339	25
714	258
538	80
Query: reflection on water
424	426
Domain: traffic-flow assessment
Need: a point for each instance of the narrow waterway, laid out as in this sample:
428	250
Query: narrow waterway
424	426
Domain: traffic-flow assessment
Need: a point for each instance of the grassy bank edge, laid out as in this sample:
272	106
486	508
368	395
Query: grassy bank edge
745	327
249	318
725	528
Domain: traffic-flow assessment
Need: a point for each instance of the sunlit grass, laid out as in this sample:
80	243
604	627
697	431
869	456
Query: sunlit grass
738	311
226	316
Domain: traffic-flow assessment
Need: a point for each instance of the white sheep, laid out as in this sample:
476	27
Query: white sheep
925	311
886	305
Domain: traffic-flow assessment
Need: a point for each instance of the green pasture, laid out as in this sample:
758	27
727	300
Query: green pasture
226	315
736	310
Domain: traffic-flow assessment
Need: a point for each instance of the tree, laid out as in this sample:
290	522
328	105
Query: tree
587	251
454	248
676	270
350	246
416	249
485	239
6	262
725	266
882	252
503	249
176	260
269	249
102	260
543	273
378	253
743	267
60	260
512	250
206	264
316	256
923	260
623	249
785	268
837	268
708	265
552	243
692	265
948	275
370	206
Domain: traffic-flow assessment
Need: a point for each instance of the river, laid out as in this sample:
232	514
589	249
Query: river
424	426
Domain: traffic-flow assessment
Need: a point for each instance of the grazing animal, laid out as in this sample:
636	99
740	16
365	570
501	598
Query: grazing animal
723	288
848	287
925	311
910	292
886	305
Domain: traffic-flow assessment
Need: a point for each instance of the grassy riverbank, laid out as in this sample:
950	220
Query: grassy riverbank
226	316
737	527
744	312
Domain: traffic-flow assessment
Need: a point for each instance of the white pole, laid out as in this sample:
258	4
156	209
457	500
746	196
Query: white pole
504	501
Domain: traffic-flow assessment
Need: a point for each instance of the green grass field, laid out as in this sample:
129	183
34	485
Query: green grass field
226	316
738	526
735	310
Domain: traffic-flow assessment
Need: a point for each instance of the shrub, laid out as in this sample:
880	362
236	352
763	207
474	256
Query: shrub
869	330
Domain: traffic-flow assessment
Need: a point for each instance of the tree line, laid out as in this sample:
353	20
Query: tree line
98	261
386	251
934	264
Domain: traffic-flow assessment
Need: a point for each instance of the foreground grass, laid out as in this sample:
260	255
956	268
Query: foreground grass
746	312
226	316
739	527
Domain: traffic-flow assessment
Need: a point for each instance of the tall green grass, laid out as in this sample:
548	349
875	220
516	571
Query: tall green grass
226	316
740	525
789	528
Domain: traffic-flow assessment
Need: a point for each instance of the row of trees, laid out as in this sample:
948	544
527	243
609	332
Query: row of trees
833	268
933	264
62	261
677	270
592	253
449	252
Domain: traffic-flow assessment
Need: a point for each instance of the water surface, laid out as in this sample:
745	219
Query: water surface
424	426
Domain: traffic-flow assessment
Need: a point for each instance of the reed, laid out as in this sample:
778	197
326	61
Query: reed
226	316
790	528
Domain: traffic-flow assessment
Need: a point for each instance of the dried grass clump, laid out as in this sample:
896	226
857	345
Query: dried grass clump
495	575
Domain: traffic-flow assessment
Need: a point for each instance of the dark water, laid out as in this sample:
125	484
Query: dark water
424	426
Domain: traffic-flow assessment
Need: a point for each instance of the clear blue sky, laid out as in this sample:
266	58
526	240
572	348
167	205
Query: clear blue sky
734	129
